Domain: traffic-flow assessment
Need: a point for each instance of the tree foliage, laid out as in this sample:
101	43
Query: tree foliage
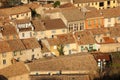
60	49
56	4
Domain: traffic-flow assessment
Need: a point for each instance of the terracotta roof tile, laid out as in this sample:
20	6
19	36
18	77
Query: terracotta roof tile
14	70
14	10
30	43
13	46
38	25
4	47
51	24
78	62
84	37
108	40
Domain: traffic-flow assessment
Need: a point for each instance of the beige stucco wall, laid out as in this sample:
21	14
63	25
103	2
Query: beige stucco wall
39	35
68	48
49	33
8	57
109	47
26	15
27	54
96	4
20	77
108	23
27	34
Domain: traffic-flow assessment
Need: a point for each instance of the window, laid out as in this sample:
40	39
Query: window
17	16
53	31
21	53
14	53
90	47
4	61
32	50
114	1
108	2
92	3
23	34
101	4
109	20
3	55
99	21
30	34
68	45
89	23
63	30
96	3
119	18
81	26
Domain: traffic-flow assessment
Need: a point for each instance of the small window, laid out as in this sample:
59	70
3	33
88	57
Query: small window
109	20
63	30
96	3
4	61
53	31
21	53
14	53
32	50
17	16
101	4
89	23
23	35
114	1
3	55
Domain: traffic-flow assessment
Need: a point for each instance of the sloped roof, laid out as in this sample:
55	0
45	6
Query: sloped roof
8	30
14	10
17	42
4	47
61	77
72	14
30	43
21	21
108	40
84	37
38	25
16	69
82	61
61	39
51	24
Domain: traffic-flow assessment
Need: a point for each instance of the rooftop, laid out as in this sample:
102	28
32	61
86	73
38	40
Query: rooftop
14	70
81	61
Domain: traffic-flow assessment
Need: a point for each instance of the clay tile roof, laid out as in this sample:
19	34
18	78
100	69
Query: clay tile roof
108	40
93	14
114	31
48	5
67	5
53	41
75	16
84	37
13	46
102	56
32	5
51	24
21	21
82	61
14	10
111	12
61	39
38	25
86	1
30	43
97	31
14	70
4	47
66	38
61	77
9	30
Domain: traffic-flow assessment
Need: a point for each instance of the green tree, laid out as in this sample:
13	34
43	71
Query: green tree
60	49
56	4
